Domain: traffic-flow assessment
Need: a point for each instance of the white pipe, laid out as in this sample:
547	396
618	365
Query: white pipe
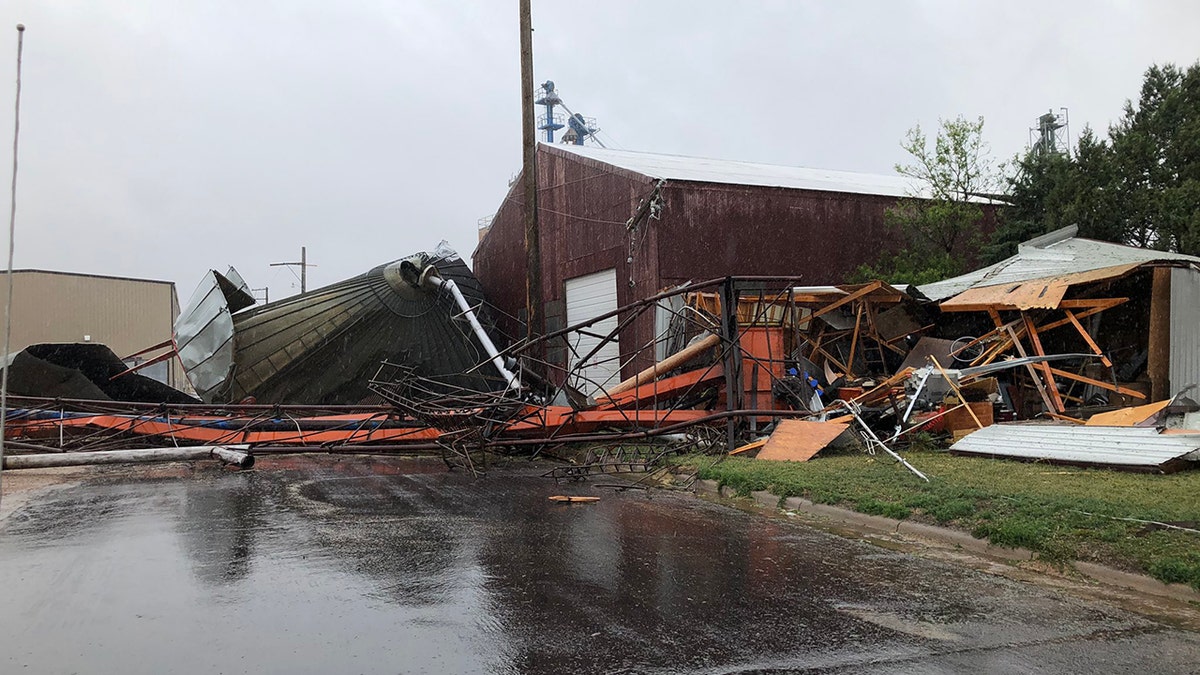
12	229
228	454
850	408
513	381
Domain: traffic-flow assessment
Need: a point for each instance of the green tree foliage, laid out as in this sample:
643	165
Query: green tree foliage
939	221
1140	186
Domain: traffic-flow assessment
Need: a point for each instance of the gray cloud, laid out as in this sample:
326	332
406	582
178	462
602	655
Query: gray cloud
160	139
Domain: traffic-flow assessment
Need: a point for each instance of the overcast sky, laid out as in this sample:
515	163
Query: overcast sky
160	139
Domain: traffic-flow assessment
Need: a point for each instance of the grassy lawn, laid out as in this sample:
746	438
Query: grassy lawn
1036	506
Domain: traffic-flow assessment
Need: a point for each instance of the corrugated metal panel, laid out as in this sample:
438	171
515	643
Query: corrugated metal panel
1185	330
1056	254
699	169
1118	446
590	296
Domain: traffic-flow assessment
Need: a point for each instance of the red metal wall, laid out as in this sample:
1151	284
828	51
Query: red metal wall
706	230
710	230
582	208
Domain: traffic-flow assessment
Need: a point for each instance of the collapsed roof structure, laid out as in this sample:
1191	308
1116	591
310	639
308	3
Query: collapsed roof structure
1060	280
322	347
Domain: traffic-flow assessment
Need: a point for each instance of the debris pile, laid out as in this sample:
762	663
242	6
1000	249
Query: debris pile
404	357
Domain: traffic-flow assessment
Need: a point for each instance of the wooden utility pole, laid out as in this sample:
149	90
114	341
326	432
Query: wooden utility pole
303	265
533	252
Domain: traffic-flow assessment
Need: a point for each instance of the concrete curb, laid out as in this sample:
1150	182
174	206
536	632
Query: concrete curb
854	520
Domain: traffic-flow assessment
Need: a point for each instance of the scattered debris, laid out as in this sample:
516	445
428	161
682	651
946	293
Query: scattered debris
752	445
405	357
571	499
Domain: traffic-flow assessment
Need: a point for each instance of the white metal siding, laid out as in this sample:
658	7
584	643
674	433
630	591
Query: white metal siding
1124	446
590	296
1185	330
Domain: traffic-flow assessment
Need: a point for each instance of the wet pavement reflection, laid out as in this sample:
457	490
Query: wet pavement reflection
340	565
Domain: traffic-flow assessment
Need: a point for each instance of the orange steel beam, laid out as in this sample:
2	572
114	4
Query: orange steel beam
661	389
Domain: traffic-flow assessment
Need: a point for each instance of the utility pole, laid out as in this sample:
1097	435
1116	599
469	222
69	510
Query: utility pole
303	265
533	254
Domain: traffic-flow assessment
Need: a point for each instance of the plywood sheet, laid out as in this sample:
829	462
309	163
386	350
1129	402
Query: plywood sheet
1045	293
799	440
1128	417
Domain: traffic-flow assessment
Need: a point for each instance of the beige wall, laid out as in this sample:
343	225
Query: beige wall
128	315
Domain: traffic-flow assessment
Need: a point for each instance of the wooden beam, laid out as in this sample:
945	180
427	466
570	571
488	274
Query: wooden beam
1158	360
957	391
1091	303
1036	341
1098	383
873	286
670	363
1037	381
1080	315
1088	338
854	336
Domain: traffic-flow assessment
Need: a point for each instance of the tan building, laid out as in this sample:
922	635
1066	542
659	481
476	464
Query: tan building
126	314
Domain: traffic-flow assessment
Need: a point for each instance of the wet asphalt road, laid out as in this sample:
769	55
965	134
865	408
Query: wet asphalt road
318	565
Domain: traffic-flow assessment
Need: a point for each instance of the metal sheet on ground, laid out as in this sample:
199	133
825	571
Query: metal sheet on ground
1136	447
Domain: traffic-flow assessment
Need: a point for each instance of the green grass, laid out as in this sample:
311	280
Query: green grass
1014	504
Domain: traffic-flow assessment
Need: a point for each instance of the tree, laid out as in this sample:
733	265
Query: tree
1140	186
1051	190
939	221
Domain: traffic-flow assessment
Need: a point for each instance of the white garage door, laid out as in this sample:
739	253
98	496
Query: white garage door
588	297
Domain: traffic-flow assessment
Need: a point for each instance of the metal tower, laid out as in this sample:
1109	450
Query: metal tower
579	128
549	121
1051	135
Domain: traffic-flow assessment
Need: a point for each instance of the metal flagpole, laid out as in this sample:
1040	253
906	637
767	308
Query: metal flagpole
12	228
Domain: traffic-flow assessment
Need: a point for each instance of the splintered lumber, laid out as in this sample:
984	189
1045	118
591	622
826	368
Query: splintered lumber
571	499
668	364
957	391
881	390
1128	417
752	445
799	440
228	454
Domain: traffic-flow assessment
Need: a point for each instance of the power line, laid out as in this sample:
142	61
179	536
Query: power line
303	264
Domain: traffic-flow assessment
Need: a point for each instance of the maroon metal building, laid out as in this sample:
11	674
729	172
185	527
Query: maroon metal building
617	226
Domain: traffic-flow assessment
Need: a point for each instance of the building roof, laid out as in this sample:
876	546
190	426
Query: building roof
1059	254
93	276
730	172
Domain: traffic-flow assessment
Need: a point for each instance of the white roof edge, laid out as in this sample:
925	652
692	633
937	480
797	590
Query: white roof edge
737	172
